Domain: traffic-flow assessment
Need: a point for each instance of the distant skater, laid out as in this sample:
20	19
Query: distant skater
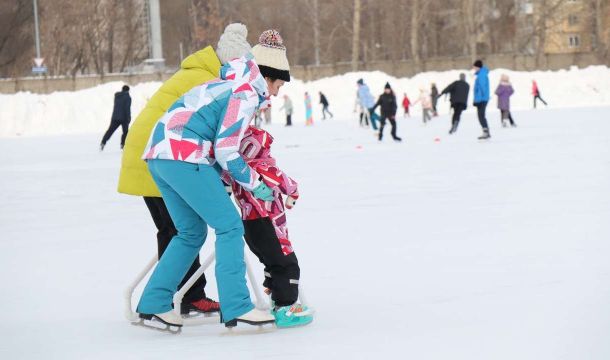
458	96
121	116
308	110
504	92
405	105
363	113
287	107
387	102
366	99
434	98
324	102
536	93
481	96
426	105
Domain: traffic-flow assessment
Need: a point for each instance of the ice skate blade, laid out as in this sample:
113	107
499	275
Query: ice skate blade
199	315
171	329
233	323
254	330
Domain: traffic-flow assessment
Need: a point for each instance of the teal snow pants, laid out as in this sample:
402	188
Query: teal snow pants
195	198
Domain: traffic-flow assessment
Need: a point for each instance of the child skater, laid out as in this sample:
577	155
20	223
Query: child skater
504	92
265	229
426	105
405	104
308	110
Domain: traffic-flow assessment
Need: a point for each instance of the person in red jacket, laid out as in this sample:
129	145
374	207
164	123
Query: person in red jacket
536	93
265	227
405	104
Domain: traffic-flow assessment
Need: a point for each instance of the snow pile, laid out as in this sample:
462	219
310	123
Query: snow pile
88	111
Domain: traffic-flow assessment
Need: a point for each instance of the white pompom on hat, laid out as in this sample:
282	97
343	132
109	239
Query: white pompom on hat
233	43
270	55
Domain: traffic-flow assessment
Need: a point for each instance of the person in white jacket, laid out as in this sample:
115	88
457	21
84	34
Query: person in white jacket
287	107
426	105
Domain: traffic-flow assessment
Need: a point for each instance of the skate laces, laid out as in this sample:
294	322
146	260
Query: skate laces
293	310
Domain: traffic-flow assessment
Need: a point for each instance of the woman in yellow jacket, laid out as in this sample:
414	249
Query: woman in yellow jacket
135	179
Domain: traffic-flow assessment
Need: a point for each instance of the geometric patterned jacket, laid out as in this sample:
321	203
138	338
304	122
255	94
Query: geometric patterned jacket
206	125
256	149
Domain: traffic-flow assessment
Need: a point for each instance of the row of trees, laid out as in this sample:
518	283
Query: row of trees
100	36
77	37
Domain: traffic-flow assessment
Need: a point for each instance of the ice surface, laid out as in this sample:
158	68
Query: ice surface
420	250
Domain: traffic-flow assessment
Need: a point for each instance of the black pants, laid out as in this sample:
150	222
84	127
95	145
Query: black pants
392	122
538	97
506	115
457	113
165	232
364	119
324	111
114	124
481	114
288	120
282	272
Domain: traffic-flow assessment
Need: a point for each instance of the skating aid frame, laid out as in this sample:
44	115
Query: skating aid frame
132	316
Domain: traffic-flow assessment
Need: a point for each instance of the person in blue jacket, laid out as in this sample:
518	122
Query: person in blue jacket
481	95
367	101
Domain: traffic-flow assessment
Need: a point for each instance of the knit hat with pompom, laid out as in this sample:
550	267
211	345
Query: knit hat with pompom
233	43
270	55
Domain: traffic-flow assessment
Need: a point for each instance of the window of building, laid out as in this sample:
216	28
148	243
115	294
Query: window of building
574	40
572	19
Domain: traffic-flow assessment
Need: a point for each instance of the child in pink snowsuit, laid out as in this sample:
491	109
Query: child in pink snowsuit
265	221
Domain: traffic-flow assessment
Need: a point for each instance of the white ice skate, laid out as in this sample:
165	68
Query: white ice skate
171	322
252	317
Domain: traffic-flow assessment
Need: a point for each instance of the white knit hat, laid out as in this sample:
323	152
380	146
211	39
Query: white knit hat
270	55
233	43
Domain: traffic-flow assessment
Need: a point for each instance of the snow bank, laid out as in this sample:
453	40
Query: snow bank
88	111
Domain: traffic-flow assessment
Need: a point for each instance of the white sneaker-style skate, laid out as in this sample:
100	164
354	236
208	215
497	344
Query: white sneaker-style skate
172	321
253	317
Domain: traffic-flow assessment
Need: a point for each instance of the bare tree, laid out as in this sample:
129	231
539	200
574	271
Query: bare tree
16	43
135	41
356	35
101	36
415	25
315	12
470	27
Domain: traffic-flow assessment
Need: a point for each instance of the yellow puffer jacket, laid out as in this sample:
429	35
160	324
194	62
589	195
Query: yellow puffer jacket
196	69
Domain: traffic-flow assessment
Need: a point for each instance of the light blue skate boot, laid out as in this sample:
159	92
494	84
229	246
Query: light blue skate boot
292	315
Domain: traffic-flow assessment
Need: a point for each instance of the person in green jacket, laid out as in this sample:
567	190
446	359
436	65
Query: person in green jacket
135	179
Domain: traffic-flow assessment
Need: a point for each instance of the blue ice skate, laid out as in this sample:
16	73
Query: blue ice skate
292	316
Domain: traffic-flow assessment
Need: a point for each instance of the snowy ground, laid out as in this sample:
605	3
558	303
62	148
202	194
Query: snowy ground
419	250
